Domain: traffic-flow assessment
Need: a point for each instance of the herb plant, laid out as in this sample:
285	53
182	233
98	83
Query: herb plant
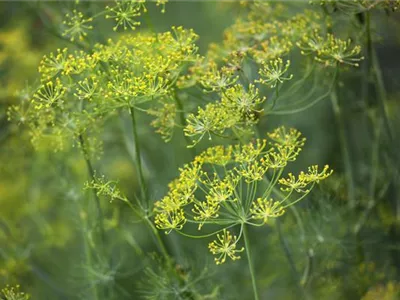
137	139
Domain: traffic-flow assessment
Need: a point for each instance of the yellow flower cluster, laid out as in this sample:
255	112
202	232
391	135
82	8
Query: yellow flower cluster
125	13
273	72
77	25
264	209
304	180
237	110
164	121
224	246
13	293
216	80
50	93
106	188
220	187
79	87
261	38
169	210
264	37
330	50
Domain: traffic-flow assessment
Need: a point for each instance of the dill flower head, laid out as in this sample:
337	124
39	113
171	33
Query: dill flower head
330	50
164	120
125	13
13	293
237	111
236	186
49	94
77	25
105	188
264	209
273	72
81	89
54	63
216	80
340	51
224	246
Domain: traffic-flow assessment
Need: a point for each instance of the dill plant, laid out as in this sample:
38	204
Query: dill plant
229	186
271	62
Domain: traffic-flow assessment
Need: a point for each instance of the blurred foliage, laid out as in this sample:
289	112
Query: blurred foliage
104	104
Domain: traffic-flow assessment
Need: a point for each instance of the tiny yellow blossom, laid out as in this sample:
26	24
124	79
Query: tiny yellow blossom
224	246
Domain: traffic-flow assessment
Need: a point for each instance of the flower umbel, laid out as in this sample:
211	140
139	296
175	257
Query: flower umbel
238	185
264	209
77	25
224	246
13	293
125	13
273	72
169	221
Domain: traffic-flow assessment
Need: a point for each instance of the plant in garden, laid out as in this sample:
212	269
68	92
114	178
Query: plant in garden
237	186
100	93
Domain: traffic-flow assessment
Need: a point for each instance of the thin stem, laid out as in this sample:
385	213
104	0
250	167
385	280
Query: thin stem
382	94
182	120
154	230
297	200
138	160
100	215
372	201
286	249
251	268
344	147
88	256
290	260
373	62
160	242
309	105
205	235
139	168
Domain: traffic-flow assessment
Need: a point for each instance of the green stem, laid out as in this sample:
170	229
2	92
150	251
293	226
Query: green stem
160	242
342	135
290	260
344	147
138	164
304	106
286	249
382	94
88	256
138	161
154	230
251	268
372	199
365	79
373	62
100	215
182	120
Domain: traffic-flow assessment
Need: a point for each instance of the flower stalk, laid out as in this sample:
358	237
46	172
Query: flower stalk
250	261
138	160
344	147
100	215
